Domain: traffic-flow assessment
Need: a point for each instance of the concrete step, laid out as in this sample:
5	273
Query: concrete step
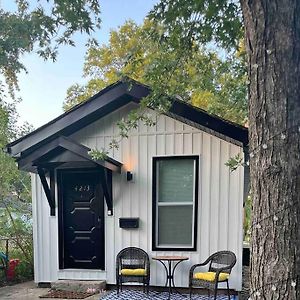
79	285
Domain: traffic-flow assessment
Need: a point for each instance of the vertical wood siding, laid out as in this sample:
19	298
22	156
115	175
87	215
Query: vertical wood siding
219	202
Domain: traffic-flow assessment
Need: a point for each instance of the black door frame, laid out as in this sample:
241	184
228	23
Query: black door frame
59	173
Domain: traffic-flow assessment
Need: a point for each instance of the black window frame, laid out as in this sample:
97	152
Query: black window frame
154	202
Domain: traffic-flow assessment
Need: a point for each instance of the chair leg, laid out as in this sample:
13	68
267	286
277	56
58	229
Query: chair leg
216	291
190	292
228	292
215	296
148	287
118	286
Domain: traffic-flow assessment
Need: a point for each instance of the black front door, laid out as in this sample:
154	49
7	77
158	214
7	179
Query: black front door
81	219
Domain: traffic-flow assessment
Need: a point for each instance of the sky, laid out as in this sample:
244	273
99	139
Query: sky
43	89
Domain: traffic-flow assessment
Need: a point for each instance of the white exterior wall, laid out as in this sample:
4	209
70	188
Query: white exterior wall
220	200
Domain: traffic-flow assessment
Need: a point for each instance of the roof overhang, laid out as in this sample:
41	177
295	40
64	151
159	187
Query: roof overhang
53	134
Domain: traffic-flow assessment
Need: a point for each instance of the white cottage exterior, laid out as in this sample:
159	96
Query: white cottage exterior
187	140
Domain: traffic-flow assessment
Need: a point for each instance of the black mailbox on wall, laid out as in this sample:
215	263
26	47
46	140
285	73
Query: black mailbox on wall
129	222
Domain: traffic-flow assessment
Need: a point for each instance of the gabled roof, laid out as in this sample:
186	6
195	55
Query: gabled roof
61	151
112	98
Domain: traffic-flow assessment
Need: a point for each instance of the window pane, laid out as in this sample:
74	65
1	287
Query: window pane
175	180
175	225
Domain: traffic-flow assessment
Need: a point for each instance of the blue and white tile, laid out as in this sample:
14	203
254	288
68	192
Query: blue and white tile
139	295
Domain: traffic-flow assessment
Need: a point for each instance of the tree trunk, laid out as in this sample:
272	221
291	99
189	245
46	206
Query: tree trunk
272	34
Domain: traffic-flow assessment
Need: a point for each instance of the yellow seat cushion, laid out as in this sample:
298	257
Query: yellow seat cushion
210	276
134	272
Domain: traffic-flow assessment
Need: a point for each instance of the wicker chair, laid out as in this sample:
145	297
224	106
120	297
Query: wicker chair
220	266
132	265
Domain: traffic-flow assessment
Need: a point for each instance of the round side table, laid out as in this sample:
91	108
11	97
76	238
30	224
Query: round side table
166	261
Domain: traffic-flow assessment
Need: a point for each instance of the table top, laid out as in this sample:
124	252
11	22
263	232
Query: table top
170	258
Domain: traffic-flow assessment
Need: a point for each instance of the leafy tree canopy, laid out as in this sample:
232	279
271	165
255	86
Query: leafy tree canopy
203	21
201	77
15	200
42	28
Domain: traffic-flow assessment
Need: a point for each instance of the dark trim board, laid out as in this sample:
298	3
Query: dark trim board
154	187
106	182
108	100
217	126
48	192
52	190
60	221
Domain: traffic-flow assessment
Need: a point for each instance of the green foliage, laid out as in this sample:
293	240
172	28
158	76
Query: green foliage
15	201
234	162
200	21
24	270
207	34
198	75
41	26
98	155
108	63
171	66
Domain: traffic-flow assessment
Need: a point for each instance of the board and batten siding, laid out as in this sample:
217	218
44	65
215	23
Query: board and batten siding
220	199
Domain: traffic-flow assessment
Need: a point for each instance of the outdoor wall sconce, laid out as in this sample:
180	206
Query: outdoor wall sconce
129	176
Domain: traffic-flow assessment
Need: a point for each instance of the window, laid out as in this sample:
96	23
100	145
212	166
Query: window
175	191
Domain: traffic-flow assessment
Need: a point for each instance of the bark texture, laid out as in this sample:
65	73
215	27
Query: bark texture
272	32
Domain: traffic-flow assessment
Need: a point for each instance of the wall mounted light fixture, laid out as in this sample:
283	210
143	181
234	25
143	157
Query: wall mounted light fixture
129	176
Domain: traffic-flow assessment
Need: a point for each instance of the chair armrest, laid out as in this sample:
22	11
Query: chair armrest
218	273
192	269
201	264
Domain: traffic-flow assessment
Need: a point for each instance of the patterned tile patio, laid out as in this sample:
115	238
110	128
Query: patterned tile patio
139	295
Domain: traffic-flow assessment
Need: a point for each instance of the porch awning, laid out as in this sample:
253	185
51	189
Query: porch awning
64	152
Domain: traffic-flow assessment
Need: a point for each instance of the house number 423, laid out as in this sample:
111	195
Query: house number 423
82	188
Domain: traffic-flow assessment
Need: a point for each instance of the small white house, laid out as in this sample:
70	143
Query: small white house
166	189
